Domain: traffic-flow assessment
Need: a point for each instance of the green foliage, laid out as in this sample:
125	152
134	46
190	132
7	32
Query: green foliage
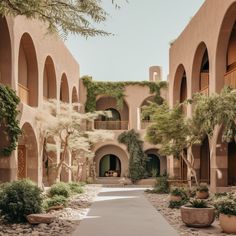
202	188
198	203
162	185
76	187
19	199
137	157
61	189
177	204
8	118
76	17
176	191
56	200
116	90
226	204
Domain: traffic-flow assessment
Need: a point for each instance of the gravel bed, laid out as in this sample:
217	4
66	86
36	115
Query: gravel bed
161	202
68	218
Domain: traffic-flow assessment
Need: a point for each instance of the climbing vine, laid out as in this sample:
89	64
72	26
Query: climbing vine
137	157
9	123
116	90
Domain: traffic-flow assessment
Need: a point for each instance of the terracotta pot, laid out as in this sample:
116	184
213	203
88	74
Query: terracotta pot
197	217
202	195
228	223
175	198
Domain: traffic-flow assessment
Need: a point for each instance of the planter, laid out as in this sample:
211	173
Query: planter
202	194
228	223
197	217
175	198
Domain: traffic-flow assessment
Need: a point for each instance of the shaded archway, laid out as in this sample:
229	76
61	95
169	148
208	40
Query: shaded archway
200	73
49	80
204	175
64	89
119	119
5	53
145	121
232	163
156	164
110	166
111	151
225	52
27	154
27	71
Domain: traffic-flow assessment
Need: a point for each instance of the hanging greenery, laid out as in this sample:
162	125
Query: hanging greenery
137	157
116	90
9	123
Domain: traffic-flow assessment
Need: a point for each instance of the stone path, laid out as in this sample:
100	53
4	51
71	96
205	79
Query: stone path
123	212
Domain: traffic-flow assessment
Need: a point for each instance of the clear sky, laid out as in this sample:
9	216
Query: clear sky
142	32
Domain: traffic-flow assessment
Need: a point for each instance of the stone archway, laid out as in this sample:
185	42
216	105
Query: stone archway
28	71
110	166
5	53
112	150
28	154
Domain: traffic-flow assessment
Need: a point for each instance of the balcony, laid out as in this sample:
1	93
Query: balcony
205	91
111	125
230	78
145	124
23	93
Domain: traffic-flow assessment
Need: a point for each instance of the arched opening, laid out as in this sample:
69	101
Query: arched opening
119	119
156	164
145	121
232	163
109	166
64	90
225	53
27	72
205	162
49	80
5	53
27	154
200	73
113	158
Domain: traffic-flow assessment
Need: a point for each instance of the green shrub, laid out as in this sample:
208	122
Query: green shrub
162	185
56	200
177	204
19	199
226	205
198	203
176	191
202	188
60	188
76	187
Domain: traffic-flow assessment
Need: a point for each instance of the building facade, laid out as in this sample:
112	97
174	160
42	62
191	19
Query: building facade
203	59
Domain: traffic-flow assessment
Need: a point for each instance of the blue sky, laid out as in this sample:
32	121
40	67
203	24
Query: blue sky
142	32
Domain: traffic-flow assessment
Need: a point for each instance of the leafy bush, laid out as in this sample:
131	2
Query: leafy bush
202	188
162	185
60	188
19	199
226	205
176	191
56	200
177	204
198	203
76	187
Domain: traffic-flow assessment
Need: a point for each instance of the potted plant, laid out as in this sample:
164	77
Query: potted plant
197	213
177	194
202	191
226	208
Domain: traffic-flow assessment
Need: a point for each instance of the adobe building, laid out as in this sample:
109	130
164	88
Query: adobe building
37	66
203	59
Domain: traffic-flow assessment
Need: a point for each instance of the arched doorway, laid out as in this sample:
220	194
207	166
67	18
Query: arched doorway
5	53
27	72
232	163
153	165
64	89
49	80
110	166
205	162
27	154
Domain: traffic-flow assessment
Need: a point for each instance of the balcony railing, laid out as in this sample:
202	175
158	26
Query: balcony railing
230	78
205	91
111	125
23	93
145	124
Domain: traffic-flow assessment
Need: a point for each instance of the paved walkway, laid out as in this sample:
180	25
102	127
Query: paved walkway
123	212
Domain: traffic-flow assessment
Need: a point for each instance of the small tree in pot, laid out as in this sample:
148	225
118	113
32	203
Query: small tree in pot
202	191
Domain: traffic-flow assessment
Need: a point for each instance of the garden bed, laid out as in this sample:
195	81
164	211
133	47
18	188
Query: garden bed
68	218
161	202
